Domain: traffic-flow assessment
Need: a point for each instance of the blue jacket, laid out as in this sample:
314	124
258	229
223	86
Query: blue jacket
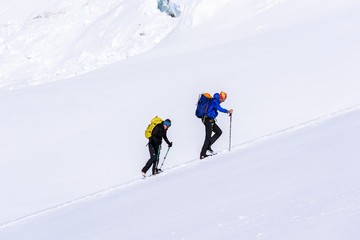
214	107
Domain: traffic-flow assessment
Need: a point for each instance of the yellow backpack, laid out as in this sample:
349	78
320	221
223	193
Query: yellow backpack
155	121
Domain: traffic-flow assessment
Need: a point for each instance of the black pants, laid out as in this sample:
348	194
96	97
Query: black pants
210	126
154	158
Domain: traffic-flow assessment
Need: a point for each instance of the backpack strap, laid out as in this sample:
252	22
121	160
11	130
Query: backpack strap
207	109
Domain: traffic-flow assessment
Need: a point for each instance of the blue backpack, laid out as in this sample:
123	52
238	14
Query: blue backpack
203	104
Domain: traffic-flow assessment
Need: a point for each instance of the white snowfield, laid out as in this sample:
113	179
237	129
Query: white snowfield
81	80
300	183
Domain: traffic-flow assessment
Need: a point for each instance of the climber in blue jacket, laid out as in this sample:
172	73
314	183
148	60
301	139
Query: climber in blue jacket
210	123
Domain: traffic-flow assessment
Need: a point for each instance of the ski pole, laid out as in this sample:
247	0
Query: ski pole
230	132
165	157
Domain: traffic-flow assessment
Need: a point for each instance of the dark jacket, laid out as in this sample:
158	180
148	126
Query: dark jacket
158	134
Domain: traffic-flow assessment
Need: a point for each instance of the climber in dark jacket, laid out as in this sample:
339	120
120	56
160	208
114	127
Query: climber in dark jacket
158	133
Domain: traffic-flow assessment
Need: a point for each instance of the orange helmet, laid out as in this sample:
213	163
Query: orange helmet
223	96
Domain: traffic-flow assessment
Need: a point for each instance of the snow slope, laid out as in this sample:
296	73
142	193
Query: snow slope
298	184
282	63
42	42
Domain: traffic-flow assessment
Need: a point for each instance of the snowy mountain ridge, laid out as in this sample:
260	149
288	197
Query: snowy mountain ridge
96	32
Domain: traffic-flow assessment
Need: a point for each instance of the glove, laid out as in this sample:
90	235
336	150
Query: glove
170	145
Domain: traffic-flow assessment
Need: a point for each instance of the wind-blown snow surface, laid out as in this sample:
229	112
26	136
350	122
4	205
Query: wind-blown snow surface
42	41
282	63
300	184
